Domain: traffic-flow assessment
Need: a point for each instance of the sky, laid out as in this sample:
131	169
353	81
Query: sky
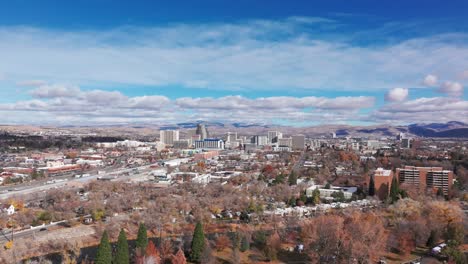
295	63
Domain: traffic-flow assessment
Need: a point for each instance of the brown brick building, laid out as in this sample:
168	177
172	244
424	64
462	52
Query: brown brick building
382	181
426	177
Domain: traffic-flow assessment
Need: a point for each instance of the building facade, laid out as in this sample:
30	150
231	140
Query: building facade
169	136
209	143
426	177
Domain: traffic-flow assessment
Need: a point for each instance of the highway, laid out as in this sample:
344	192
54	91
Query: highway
62	181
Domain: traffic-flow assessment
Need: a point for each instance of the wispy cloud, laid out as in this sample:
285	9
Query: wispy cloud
451	88
259	54
436	109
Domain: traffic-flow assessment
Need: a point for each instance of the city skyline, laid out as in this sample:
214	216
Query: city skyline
296	66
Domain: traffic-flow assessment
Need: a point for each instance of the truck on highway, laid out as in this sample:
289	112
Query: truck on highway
56	181
82	175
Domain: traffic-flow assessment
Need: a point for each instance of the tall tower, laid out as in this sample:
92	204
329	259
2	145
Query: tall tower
169	136
202	131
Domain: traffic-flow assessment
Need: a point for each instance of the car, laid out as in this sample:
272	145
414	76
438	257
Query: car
43	229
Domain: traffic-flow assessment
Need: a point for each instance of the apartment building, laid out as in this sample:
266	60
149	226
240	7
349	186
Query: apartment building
426	177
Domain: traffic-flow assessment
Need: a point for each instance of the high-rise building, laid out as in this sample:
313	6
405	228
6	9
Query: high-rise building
406	143
231	136
400	136
426	177
169	136
273	136
202	131
382	182
333	135
298	142
260	140
209	143
285	142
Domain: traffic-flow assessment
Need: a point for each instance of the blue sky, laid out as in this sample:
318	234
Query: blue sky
300	62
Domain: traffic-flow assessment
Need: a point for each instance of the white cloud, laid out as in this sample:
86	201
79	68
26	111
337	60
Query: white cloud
32	83
430	80
87	107
396	95
436	109
55	90
451	88
268	55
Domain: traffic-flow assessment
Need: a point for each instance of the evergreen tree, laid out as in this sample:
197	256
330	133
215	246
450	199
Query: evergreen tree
245	244
394	190
303	197
142	238
122	255
372	186
279	179
198	243
433	238
104	252
440	192
292	180
316	196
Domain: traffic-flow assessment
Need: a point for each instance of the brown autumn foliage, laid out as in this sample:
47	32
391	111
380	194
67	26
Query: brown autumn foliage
179	257
223	242
359	236
152	251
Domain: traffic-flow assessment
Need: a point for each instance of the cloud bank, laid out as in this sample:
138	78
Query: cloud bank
293	53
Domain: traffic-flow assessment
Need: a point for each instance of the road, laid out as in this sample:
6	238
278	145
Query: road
42	186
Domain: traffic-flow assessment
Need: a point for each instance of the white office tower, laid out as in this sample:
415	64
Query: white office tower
406	143
400	136
209	143
169	136
273	136
231	136
315	144
333	135
260	140
298	142
285	142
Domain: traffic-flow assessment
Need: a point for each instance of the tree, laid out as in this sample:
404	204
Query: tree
179	257
223	242
104	252
440	192
339	196
152	251
121	254
372	186
260	239
433	238
273	245
198	243
292	179
327	186
142	238
454	254
394	190
316	196
244	244
235	256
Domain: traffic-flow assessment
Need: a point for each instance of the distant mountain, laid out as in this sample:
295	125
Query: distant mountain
449	129
441	126
244	125
452	129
